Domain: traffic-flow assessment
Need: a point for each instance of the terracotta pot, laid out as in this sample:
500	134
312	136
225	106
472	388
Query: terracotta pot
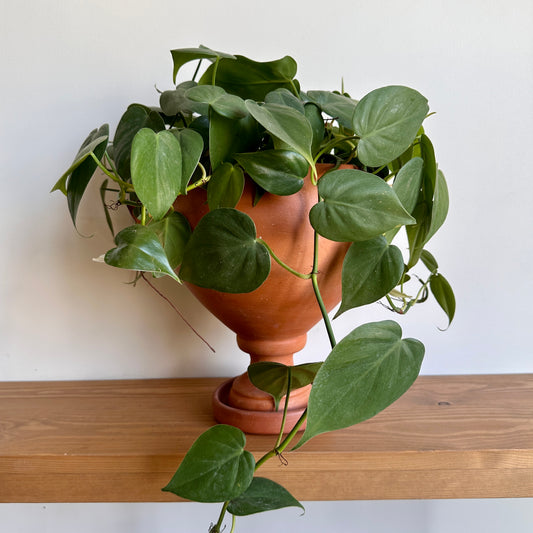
271	322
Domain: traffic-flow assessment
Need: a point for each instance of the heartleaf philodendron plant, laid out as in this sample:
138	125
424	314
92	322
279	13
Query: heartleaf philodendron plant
246	120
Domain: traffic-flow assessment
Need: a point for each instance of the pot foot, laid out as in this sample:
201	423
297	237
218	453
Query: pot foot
260	422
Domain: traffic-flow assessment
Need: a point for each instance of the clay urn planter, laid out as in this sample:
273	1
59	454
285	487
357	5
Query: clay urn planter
272	321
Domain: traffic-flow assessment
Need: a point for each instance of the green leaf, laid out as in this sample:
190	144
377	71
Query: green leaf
223	253
417	233
93	142
439	209
356	206
337	106
285	97
84	169
277	171
251	79
429	261
138	248
175	101
286	124
427	152
314	116
227	105
135	118
230	136
443	293
206	94
274	377
216	468
371	269
225	187
173	232
182	56
365	372
156	165
262	495
230	106
407	183
407	186
192	146
387	120
430	215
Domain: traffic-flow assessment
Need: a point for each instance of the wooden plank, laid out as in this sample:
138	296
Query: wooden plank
447	437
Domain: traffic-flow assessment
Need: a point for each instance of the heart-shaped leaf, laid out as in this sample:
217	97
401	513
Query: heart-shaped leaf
94	140
387	121
443	293
175	101
135	118
251	79
138	248
156	170
182	56
225	186
223	253
286	124
74	181
430	214
427	152
216	468
408	182
228	136
417	233
429	261
262	495
192	146
315	118
285	97
227	105
439	208
337	106
365	372
173	232
407	186
356	206
274	377
277	171
371	269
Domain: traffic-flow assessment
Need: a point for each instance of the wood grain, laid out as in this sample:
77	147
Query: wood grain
119	441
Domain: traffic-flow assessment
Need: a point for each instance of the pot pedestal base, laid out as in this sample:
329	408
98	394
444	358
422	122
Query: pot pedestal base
259	422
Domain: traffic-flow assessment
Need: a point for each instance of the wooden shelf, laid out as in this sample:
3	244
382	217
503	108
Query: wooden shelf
118	441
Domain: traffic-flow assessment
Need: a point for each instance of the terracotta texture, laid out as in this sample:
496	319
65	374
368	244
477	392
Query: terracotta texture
272	322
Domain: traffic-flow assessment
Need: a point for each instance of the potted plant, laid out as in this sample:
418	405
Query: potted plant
230	161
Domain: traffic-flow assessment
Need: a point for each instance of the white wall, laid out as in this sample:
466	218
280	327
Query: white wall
69	66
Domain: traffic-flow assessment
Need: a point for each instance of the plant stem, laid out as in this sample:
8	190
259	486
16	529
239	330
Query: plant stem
218	525
285	442
197	69
123	185
215	68
285	407
331	144
281	263
202	181
318	296
177	311
292	433
294	89
314	173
